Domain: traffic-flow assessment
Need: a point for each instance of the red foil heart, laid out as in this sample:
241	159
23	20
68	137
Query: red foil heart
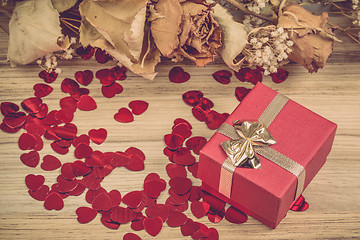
86	103
199	209
280	76
15	120
183	156
81	139
85	53
122	215
106	76
42	90
181	185
48	77
192	98
83	151
153	226
196	144
136	164
222	76
189	228
182	129
236	216
98	136
174	170
54	202
131	236
39	194
92	194
30	159
241	92
120	73
249	75
138	106
133	199
300	205
27	141
102	202
178	75
135	151
85	214
84	77
153	188
176	219
111	90
34	182
124	116
31	105
101	56
8	107
120	159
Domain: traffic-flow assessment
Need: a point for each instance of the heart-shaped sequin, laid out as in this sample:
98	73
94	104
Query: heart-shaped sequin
33	182
153	188
85	53
196	144
86	103
83	151
181	185
280	76
102	202
176	218
48	77
174	170
106	76
54	201
122	215
42	90
39	194
131	236
234	215
138	106
183	156
189	228
15	119
102	56
124	116
182	129
300	205
27	141
241	92
178	75
85	214
30	159
8	107
192	98
84	77
222	76
68	131
133	199
153	225
199	209
111	90
98	136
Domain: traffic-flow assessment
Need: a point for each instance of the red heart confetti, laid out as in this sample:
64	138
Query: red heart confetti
158	210
111	90
85	53
106	221
122	215
181	120
181	185
68	104
173	141
54	202
222	76
183	156
182	129
33	182
115	197
200	209
86	103
30	159
131	236
189	228
137	225
138	106
85	214
80	169
234	215
300	205
27	141
120	159
39	194
92	194
133	199
101	56
65	186
8	107
192	98
81	139
280	76
241	92
106	76
216	205
214	119
196	144
59	149
135	151
203	232
124	116
214	235
153	226
153	188
68	85
102	202
178	75
176	219
83	151
84	77
98	136
78	190
174	170
15	119
217	216
136	164
249	75
194	169
48	77
50	163
120	73
68	131
67	171
42	90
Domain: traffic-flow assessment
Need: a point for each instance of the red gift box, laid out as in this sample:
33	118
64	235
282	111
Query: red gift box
267	193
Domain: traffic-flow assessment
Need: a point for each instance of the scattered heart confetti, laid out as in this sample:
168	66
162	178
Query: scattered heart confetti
54	201
102	202
135	151
174	170
15	119
84	77
176	219
69	85
67	171
86	103
42	90
153	188
192	98
85	53
280	76
300	205
120	73
85	214
153	225
173	141
178	75
111	90
181	185
124	116
33	182
158	210
30	159
115	197
214	235
138	106
80	169
182	129
68	131
122	215
133	199
101	56
39	194
200	209
48	77
8	107
234	215
50	163
222	76
183	156
98	136
136	163
131	236
27	141
106	76
249	75
189	228
241	92
83	151
196	144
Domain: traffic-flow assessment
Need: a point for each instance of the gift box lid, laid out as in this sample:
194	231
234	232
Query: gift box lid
301	135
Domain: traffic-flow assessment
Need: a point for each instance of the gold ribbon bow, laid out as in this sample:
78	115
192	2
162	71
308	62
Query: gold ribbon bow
241	151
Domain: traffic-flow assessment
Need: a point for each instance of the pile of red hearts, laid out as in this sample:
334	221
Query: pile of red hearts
202	109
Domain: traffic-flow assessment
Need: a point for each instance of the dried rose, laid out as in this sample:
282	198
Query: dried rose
313	41
120	28
186	29
34	32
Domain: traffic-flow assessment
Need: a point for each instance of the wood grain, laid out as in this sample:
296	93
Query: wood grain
333	92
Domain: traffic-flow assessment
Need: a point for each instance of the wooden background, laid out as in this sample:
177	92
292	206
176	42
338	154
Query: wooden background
333	92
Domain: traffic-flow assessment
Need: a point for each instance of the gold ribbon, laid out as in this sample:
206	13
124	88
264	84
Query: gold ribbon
247	139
